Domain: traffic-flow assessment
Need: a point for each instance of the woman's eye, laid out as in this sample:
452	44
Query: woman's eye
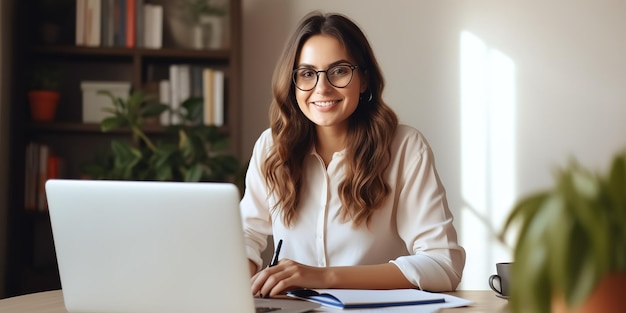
306	73
339	70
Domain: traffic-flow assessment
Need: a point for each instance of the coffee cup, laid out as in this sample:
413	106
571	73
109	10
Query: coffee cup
501	282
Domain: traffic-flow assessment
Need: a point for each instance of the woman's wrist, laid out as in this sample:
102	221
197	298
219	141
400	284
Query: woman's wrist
331	277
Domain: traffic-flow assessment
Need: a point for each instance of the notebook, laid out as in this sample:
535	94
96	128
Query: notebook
365	299
127	246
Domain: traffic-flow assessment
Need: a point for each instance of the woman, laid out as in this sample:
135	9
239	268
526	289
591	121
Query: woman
355	196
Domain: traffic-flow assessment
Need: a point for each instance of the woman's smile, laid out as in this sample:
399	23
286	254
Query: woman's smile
325	103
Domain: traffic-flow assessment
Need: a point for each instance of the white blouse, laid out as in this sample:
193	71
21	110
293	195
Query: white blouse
413	229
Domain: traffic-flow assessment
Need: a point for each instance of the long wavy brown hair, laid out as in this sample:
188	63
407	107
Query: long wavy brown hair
370	132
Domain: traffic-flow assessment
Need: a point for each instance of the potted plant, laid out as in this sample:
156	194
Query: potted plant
197	8
207	20
44	94
570	253
55	19
188	152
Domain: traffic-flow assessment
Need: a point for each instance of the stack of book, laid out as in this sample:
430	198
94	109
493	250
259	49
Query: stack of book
41	164
119	23
186	81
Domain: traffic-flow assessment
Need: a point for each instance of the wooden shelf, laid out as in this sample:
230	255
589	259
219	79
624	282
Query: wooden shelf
223	55
76	142
93	128
86	128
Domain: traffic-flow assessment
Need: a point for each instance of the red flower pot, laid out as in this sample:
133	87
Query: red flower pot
43	104
608	297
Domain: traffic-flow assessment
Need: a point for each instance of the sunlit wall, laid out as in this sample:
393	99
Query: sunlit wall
504	91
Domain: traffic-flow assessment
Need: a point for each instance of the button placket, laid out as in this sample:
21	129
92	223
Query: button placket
320	229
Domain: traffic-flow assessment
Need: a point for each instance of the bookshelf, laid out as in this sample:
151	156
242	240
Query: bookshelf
31	264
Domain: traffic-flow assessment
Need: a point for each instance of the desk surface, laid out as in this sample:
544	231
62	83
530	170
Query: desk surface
52	302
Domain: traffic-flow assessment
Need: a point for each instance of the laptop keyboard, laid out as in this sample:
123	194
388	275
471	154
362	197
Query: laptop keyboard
266	309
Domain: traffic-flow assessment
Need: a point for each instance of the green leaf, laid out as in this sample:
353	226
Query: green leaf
126	157
164	173
194	173
135	101
111	123
570	237
189	151
220	145
193	108
153	109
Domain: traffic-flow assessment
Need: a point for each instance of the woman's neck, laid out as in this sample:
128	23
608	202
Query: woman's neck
330	140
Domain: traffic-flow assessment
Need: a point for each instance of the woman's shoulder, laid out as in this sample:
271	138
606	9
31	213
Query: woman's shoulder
263	143
266	137
404	131
410	137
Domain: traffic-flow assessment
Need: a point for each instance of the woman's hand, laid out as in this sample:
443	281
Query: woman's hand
287	275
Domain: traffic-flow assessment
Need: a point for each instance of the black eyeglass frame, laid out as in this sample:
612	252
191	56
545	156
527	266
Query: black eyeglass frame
317	76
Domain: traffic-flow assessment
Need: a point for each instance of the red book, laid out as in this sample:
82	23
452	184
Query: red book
52	171
53	167
131	7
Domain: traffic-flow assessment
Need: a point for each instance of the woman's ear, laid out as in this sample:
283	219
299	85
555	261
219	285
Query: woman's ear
364	81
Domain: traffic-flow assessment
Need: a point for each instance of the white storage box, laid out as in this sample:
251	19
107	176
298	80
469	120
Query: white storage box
93	102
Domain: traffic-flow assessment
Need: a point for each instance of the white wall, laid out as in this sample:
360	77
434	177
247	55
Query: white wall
505	91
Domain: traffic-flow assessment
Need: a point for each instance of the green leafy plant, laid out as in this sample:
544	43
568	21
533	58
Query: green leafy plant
46	77
187	152
570	237
196	8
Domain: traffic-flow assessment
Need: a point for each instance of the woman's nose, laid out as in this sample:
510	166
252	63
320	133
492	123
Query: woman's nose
322	83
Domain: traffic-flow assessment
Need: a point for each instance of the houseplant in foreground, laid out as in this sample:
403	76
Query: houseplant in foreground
188	152
570	254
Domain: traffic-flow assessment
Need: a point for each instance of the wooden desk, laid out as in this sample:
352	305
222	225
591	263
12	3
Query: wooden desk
52	302
485	301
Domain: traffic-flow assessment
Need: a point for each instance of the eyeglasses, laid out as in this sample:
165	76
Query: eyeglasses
338	76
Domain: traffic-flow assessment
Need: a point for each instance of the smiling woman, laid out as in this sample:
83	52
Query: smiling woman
354	194
329	102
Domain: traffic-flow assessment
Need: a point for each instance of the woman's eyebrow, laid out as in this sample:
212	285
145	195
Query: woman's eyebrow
305	65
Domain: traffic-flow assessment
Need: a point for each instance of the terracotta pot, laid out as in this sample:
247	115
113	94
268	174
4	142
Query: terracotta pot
43	104
608	297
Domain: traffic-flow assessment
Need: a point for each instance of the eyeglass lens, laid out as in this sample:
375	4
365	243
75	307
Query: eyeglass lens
339	76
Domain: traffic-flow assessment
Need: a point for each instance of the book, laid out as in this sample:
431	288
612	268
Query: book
130	23
366	298
119	23
165	98
42	176
30	186
174	97
107	23
153	26
218	98
93	23
213	96
81	8
183	87
207	96
180	90
139	24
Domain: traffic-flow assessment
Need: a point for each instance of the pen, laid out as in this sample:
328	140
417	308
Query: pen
275	260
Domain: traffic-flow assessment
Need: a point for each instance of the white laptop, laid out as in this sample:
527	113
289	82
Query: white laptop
153	247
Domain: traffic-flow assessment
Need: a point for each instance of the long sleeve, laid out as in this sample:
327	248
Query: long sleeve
254	204
425	223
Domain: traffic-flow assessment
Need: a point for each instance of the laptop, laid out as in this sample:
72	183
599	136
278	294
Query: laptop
129	246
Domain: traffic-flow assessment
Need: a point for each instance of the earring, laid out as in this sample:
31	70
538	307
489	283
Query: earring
370	97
